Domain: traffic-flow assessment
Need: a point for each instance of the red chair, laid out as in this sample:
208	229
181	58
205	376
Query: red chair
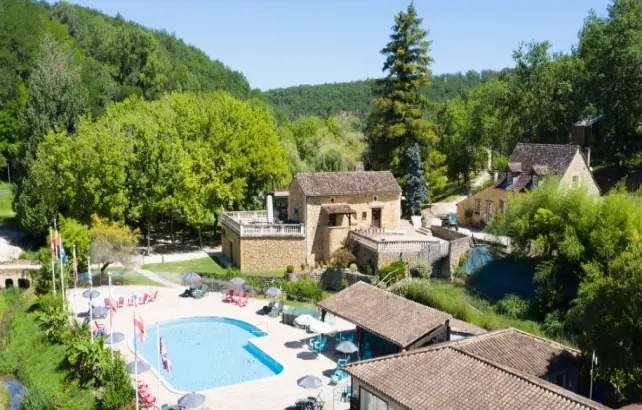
145	298
120	302
229	297
131	301
153	296
107	303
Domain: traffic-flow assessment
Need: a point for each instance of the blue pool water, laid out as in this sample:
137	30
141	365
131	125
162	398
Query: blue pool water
209	352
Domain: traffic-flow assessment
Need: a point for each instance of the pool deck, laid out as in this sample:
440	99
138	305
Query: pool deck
286	344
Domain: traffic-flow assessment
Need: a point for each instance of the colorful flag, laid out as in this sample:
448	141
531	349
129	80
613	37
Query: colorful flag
75	265
138	323
63	256
166	364
163	349
53	239
112	305
56	238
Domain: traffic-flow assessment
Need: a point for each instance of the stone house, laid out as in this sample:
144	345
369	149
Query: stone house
527	166
322	209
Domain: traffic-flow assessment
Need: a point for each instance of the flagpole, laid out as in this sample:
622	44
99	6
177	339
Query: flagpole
111	328
75	269
91	289
53	261
135	357
159	361
62	272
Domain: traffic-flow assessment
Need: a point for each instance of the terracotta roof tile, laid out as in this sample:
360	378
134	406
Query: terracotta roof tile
446	378
347	183
520	350
331	209
557	157
395	318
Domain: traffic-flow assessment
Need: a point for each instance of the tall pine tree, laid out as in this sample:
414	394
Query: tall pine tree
416	192
397	120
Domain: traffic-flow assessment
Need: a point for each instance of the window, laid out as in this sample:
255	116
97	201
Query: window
535	181
364	215
489	210
370	401
332	220
296	213
562	380
501	206
374	198
575	181
510	178
477	206
332	200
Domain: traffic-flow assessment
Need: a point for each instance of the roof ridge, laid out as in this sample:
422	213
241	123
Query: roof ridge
543	384
548	144
547	340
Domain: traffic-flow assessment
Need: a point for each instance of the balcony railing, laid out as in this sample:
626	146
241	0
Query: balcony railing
255	224
437	249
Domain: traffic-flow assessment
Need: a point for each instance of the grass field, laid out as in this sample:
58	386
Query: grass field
5	205
206	265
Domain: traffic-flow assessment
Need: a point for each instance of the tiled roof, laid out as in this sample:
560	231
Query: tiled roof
347	183
557	157
392	317
446	378
520	350
337	209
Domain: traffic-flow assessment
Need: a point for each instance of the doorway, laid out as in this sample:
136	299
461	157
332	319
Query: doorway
232	252
376	218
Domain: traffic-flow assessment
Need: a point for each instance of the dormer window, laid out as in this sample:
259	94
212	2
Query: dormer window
509	178
535	181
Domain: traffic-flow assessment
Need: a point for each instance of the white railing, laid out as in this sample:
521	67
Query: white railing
272	229
254	223
398	245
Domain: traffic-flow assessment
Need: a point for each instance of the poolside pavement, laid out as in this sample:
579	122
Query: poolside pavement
286	344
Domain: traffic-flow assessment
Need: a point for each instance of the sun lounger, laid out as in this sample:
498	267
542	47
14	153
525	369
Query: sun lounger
276	311
144	299
266	309
200	292
187	293
168	407
153	296
131	301
342	362
242	300
120	302
107	303
337	376
229	297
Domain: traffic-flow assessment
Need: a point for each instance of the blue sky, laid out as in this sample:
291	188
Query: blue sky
279	43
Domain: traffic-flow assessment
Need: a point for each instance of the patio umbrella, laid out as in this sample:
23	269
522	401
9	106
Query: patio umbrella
114	338
238	281
100	311
273	291
347	347
191	401
309	382
190	277
304	320
142	367
320	327
91	294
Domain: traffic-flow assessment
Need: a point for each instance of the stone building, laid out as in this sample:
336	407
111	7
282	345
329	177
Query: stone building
322	209
528	166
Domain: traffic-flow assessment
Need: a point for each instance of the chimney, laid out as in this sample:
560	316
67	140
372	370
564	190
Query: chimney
588	157
358	166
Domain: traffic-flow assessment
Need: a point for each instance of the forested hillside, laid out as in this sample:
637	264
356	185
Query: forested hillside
104	59
325	100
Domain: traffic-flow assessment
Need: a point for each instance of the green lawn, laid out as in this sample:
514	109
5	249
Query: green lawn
5	205
206	265
140	280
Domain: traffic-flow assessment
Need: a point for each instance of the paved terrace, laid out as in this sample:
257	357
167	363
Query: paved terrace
283	343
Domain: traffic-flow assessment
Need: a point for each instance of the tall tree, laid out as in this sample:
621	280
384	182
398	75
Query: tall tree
611	48
397	120
416	192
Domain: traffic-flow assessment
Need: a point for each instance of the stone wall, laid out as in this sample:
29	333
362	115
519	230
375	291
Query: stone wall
458	244
494	195
231	246
380	260
333	239
271	253
579	169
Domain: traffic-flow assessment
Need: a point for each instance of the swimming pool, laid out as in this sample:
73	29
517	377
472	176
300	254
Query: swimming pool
209	352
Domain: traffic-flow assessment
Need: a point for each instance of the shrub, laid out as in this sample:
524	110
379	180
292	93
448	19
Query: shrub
303	289
118	390
513	306
369	269
289	269
353	267
398	267
342	258
344	284
8	283
553	324
420	269
39	397
30	255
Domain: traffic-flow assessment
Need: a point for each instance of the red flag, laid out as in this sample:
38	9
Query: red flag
138	323
166	364
53	251
163	349
112	305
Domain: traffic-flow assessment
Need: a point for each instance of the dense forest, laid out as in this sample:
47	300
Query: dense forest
325	100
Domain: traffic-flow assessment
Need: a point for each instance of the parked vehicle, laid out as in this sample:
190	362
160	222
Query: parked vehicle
450	221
